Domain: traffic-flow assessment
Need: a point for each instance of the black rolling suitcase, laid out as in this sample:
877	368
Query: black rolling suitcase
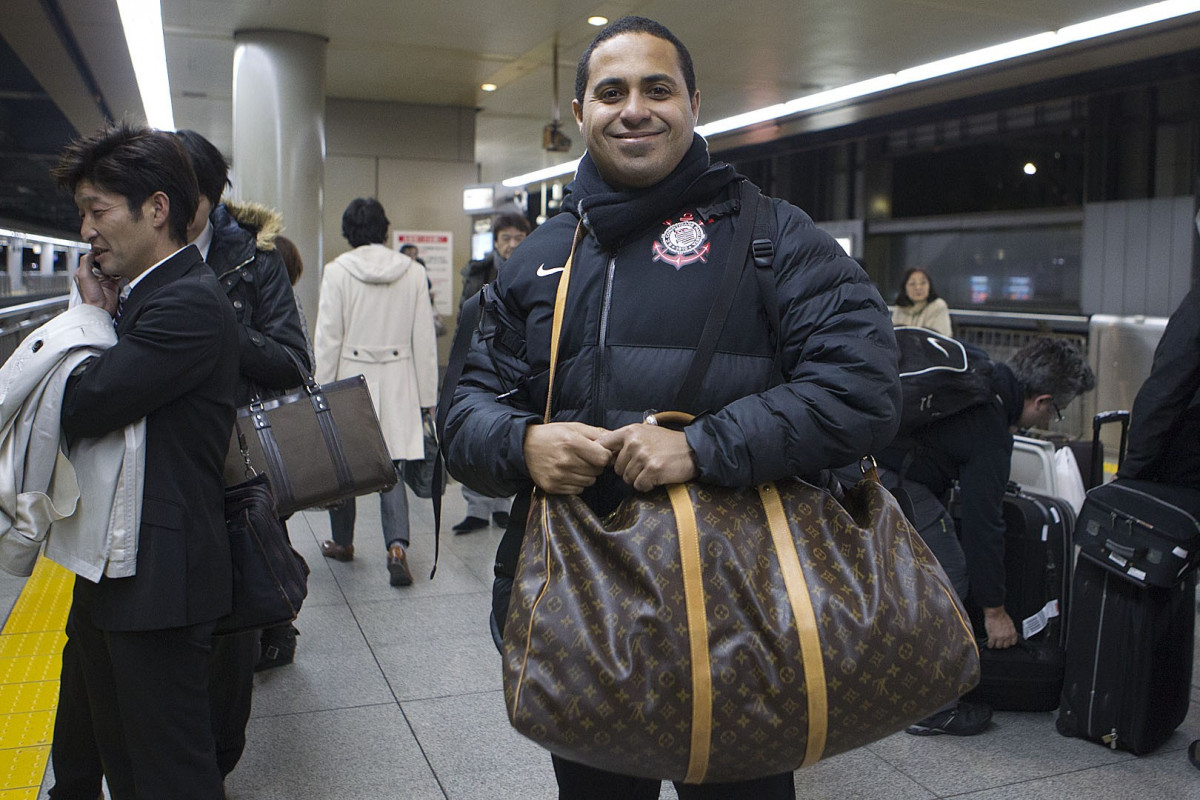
1145	530
1037	559
1129	660
1129	647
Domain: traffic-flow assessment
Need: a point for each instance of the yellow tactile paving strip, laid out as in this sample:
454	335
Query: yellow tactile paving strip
30	656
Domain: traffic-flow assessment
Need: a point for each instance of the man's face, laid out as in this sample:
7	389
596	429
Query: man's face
636	116
507	240
122	247
1039	412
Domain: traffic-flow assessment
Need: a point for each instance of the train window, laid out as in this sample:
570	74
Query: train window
997	269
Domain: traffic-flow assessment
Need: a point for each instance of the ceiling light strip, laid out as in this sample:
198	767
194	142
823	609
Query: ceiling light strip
1103	26
142	21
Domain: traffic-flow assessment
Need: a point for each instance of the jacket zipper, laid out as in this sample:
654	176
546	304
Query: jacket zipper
601	350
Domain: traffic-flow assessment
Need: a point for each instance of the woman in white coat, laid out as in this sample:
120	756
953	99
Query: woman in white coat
374	318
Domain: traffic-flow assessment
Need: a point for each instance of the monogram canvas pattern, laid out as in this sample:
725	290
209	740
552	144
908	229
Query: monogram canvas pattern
597	651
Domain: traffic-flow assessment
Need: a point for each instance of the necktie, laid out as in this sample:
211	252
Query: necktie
120	308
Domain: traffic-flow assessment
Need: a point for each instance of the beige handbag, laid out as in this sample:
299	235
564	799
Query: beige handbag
709	634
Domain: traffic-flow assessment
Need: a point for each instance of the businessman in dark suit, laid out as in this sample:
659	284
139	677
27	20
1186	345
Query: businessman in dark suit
145	641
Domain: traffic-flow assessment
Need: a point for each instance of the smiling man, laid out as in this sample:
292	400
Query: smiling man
144	642
650	222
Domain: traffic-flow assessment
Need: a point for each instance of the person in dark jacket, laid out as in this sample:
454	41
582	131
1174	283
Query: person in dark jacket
237	241
1165	426
974	448
143	641
1164	431
508	230
657	218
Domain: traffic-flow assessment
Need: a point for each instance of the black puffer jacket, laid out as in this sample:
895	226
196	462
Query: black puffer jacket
253	275
633	317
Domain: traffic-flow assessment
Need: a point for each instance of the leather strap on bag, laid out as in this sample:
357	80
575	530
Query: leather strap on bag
560	305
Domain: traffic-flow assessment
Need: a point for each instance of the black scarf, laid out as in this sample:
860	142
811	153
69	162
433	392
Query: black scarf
611	215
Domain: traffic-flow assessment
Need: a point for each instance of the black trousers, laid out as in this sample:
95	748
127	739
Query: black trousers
230	687
77	769
579	782
147	693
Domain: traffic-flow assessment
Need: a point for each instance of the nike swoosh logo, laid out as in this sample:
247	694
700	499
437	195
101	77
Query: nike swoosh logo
543	272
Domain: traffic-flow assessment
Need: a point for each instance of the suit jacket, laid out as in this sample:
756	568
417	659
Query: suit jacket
175	364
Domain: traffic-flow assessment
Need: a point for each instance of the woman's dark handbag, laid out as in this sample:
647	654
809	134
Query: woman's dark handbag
418	474
317	445
711	634
270	579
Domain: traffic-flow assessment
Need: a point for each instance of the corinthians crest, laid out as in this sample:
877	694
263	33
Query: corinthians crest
682	243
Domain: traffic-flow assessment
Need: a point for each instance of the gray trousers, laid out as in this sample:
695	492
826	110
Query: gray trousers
393	514
482	506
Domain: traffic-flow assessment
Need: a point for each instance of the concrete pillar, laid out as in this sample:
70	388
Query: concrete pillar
16	265
46	260
279	138
73	255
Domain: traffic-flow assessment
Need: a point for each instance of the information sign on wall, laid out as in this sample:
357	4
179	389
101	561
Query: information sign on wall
436	249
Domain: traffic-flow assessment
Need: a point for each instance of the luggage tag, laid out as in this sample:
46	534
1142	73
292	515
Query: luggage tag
1037	622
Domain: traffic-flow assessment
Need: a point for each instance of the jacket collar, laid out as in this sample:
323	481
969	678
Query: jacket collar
170	270
232	245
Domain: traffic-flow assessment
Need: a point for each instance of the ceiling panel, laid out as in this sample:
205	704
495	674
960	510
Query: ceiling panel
748	53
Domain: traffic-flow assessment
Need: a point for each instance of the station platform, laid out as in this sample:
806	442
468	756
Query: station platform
396	693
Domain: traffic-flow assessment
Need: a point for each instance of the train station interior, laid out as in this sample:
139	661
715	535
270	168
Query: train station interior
1042	159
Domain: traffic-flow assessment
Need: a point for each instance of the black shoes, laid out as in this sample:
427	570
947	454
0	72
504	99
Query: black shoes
277	647
470	524
965	719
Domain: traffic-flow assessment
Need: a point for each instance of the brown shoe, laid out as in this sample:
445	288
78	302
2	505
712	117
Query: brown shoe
397	564
331	549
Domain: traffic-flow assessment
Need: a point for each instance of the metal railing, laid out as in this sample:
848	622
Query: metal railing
37	284
16	322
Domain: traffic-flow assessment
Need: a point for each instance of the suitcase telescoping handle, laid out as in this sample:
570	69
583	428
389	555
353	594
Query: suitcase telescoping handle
1098	422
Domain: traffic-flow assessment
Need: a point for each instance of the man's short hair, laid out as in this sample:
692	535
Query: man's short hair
509	219
134	162
408	249
365	222
635	25
212	170
1052	366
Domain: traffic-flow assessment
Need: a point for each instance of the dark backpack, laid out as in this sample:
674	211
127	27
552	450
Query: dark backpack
940	376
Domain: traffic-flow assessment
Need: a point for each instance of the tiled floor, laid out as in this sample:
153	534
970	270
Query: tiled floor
396	693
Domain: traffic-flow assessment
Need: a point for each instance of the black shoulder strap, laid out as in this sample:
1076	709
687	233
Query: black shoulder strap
763	251
743	228
468	320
